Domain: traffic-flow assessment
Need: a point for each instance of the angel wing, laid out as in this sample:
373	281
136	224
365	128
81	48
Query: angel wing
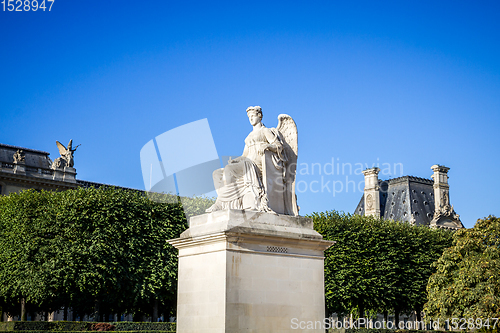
288	131
70	145
62	149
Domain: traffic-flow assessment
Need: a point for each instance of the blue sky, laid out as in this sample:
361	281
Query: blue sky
409	82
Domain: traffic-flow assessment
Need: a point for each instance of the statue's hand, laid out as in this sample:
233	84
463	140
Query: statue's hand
262	149
236	160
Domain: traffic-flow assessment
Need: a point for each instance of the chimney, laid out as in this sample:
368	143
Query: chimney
441	188
444	214
372	196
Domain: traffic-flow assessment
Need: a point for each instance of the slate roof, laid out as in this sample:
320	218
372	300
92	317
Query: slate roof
34	158
408	199
25	149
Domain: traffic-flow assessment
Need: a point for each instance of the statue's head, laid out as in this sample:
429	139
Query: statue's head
256	109
254	114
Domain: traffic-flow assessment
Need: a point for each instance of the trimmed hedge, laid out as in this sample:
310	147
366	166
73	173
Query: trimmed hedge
132	326
82	326
7	326
58	326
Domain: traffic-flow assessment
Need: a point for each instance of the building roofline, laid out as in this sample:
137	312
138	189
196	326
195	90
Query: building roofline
25	149
411	179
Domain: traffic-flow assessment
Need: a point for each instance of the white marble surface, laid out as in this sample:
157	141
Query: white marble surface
242	271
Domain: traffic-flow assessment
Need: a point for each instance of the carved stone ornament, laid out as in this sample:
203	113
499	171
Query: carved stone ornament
445	214
263	178
369	201
19	157
445	210
66	159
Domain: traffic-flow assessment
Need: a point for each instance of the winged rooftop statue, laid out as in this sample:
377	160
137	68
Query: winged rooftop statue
263	178
66	159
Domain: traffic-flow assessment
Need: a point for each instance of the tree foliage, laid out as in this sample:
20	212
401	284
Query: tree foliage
101	250
377	265
467	281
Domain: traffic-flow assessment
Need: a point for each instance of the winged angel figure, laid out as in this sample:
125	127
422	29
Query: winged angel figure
66	159
263	178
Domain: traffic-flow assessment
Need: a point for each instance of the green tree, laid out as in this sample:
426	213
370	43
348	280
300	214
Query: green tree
377	265
467	281
26	246
357	278
98	251
116	257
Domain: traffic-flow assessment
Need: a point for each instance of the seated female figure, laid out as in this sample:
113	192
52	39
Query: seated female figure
239	185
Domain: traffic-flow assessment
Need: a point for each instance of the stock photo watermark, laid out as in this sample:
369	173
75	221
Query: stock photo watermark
346	323
325	176
180	163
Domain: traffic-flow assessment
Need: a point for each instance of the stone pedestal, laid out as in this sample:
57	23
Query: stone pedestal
246	271
19	168
58	174
69	175
66	174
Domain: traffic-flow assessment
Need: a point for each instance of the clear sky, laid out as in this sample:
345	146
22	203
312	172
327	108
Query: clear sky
411	83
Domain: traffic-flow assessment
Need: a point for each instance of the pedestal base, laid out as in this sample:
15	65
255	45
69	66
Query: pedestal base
66	174
242	271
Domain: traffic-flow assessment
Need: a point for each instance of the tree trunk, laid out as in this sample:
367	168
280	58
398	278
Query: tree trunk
65	314
118	317
396	317
1	314
23	309
386	314
362	311
96	310
418	314
155	311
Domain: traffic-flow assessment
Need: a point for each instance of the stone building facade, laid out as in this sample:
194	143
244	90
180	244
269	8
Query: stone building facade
24	168
415	200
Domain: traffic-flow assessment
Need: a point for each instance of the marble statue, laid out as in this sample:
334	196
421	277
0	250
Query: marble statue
66	159
263	178
19	157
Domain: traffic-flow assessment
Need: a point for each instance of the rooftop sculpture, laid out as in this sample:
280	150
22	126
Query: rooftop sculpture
263	178
66	159
19	156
